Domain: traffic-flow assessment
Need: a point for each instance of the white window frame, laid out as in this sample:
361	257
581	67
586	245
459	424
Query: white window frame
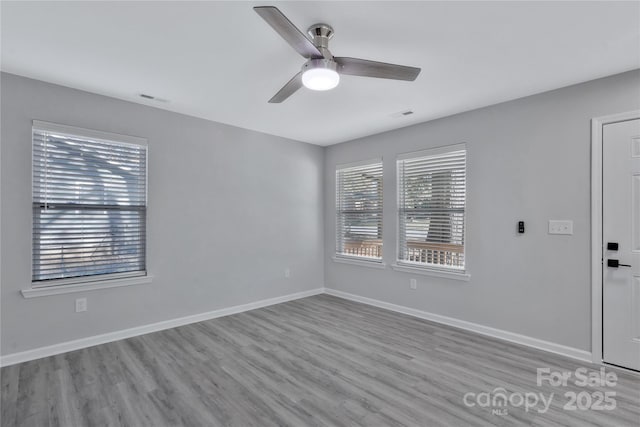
82	284
354	259
420	268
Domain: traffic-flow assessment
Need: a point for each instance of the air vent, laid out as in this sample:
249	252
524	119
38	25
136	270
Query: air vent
402	113
152	98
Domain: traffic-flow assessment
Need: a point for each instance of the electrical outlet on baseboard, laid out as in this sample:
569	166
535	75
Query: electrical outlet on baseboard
287	272
413	284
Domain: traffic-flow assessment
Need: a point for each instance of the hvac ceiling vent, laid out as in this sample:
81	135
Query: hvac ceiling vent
404	113
152	98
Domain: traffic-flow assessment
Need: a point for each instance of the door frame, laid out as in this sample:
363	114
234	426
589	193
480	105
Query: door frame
596	226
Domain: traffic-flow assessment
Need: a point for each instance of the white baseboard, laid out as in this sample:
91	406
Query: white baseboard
25	356
571	352
37	353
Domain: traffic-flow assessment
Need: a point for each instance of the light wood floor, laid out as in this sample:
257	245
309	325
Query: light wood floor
318	361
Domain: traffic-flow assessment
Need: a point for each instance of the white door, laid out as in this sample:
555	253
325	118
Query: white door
621	225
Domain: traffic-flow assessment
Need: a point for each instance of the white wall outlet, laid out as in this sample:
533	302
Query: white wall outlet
557	226
413	284
287	272
81	305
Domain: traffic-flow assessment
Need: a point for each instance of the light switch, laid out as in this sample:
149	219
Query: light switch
557	226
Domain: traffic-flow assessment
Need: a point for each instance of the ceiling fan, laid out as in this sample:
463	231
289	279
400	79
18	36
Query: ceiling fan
322	70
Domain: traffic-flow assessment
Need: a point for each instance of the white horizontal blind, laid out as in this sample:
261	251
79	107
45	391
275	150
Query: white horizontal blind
432	199
89	206
359	211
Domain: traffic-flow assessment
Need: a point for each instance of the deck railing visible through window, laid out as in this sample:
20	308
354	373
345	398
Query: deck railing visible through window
450	255
359	210
89	204
431	207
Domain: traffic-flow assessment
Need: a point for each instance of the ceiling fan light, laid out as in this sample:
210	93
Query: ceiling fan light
320	79
320	74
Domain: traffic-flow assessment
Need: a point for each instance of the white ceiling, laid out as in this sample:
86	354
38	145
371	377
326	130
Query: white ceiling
221	61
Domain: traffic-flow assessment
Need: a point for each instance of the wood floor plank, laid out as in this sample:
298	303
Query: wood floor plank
9	379
318	361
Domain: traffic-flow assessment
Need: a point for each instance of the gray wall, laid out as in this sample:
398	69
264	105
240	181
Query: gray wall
229	210
528	159
261	199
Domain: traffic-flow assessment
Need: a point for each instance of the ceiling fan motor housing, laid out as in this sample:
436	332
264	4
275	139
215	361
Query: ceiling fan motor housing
320	34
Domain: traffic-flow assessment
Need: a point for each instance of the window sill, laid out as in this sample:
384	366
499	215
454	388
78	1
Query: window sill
86	286
363	263
426	271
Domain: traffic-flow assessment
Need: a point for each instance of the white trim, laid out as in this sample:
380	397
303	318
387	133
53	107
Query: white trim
571	352
89	133
37	353
596	226
361	262
427	271
358	164
58	289
444	149
12	359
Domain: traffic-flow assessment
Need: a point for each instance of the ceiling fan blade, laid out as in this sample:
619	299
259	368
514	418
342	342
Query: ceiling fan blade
382	70
288	31
287	90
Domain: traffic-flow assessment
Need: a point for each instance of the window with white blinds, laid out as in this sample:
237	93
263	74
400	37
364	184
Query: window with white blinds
431	208
89	205
359	210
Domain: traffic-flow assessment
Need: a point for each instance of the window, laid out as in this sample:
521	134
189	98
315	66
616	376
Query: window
89	205
431	208
359	210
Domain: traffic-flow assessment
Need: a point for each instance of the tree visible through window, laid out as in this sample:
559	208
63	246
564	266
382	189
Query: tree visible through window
359	211
432	199
89	204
